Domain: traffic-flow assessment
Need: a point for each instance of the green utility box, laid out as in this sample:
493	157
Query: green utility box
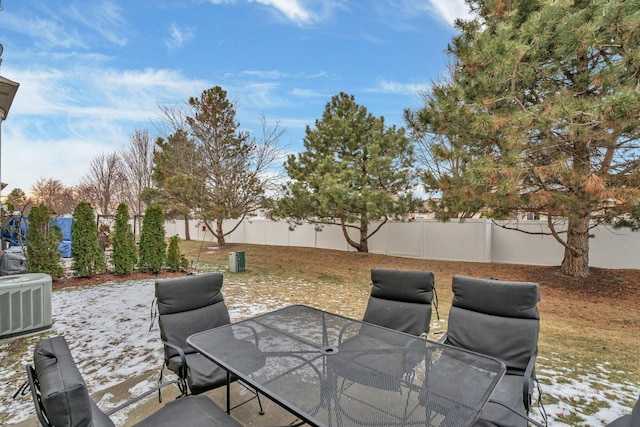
236	262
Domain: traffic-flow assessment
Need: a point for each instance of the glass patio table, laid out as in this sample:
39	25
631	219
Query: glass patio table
330	370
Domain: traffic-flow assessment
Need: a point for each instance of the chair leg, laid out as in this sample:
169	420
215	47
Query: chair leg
251	389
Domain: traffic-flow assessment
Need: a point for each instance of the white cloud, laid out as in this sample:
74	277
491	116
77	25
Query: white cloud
104	18
308	93
43	32
66	160
70	27
256	95
178	36
261	74
292	9
450	10
62	118
399	88
300	12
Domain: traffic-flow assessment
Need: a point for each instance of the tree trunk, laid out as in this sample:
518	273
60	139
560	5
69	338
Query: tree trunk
576	253
364	238
187	234
219	233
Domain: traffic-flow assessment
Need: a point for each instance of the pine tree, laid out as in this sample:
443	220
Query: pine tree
124	255
152	243
354	170
174	258
43	255
87	257
543	101
211	167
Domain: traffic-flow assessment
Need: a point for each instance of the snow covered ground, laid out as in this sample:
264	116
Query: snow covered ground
108	330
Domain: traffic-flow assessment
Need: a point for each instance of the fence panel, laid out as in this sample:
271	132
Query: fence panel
473	240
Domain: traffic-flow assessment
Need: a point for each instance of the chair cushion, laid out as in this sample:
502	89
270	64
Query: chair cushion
402	285
511	340
509	392
188	305
176	327
192	411
631	420
204	375
64	393
497	297
406	317
188	293
400	300
623	421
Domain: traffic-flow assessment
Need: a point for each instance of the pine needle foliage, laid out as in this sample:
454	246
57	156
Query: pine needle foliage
175	260
152	244
354	171
125	251
87	257
541	106
43	255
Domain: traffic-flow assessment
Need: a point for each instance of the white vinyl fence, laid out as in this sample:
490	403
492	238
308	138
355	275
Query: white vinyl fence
476	240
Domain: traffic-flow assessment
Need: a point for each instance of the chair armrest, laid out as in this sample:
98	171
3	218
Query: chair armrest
344	329
183	372
527	383
141	396
253	331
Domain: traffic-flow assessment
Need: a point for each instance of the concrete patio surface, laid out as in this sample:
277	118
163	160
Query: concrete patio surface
247	414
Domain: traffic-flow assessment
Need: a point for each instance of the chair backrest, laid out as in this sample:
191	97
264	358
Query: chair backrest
187	305
635	414
59	392
400	300
496	318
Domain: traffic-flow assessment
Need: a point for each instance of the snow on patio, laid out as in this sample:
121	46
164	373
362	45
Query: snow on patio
108	330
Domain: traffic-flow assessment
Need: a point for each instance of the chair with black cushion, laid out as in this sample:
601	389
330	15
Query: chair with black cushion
630	420
61	398
401	300
187	305
499	319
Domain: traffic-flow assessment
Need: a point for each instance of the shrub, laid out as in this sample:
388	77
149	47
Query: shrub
43	255
88	259
124	256
152	244
174	257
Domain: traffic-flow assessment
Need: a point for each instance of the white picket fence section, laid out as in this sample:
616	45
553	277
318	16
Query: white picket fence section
476	240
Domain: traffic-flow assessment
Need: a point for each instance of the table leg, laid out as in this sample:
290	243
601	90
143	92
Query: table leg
228	392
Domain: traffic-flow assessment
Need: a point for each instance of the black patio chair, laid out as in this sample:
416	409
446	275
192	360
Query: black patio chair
400	300
630	420
61	398
499	319
187	305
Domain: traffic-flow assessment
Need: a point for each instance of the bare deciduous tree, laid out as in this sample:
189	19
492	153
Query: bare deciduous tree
55	195
137	168
209	167
102	185
18	201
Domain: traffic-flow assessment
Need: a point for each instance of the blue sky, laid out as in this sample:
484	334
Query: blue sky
93	71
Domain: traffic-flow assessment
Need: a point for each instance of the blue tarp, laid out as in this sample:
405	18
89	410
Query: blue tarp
16	229
65	226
